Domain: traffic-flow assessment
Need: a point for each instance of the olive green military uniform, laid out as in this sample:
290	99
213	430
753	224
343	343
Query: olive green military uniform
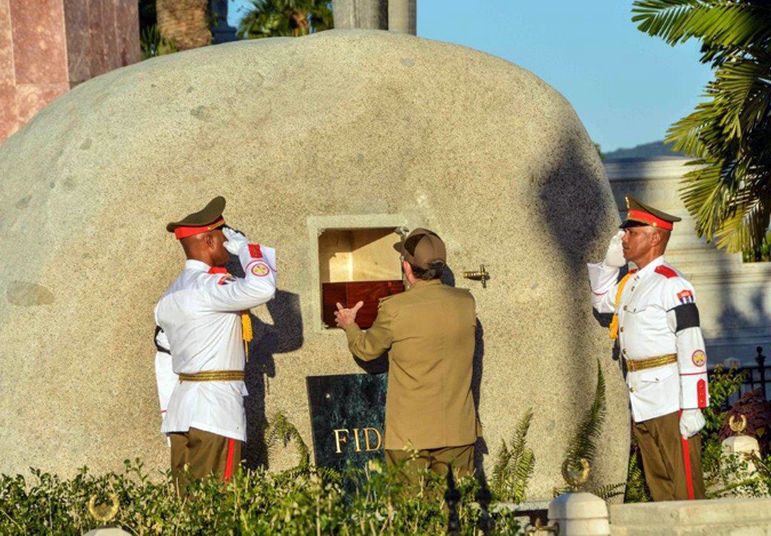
429	333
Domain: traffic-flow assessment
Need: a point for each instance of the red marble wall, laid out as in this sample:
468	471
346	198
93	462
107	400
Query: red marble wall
49	46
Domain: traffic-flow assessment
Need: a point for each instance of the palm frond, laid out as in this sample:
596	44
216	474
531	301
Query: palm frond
716	24
274	18
727	191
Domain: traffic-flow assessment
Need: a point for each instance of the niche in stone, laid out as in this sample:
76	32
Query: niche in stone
357	265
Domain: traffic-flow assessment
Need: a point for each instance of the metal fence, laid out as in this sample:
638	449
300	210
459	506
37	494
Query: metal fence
755	377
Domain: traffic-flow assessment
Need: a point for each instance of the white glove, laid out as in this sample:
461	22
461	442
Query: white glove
615	255
235	240
691	421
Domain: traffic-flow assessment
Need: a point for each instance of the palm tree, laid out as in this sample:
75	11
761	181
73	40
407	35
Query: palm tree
272	18
184	23
728	191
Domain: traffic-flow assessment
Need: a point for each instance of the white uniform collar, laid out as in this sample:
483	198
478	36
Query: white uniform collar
651	266
198	266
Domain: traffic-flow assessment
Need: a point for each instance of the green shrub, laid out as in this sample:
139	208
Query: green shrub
295	502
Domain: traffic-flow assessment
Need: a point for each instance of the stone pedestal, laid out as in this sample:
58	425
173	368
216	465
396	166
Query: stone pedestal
579	513
49	46
743	446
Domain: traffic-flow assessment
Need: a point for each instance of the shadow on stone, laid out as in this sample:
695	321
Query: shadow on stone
285	335
563	197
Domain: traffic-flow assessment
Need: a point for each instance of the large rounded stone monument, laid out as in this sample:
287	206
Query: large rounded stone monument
323	146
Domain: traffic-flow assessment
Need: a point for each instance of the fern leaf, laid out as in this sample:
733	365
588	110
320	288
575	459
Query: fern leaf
515	464
583	444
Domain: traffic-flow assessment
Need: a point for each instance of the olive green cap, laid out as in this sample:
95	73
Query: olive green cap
206	219
640	214
421	248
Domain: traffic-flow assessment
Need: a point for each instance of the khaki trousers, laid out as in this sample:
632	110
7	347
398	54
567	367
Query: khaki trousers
436	460
664	465
203	453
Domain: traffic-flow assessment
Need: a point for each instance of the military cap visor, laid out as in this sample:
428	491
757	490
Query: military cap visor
639	214
205	220
422	248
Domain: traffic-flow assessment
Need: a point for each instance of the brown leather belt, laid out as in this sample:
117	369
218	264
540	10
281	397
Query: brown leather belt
651	362
213	376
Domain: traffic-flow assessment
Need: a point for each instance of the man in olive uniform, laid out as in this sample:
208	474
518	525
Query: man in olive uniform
656	325
200	336
428	331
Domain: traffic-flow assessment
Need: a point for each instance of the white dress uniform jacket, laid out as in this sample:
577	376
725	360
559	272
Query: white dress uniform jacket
199	316
657	315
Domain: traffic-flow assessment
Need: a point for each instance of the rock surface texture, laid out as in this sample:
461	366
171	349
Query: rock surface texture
340	129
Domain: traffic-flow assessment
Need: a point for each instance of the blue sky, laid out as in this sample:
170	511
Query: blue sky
627	87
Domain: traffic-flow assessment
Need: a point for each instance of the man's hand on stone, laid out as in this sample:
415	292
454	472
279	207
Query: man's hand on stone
691	422
615	255
345	317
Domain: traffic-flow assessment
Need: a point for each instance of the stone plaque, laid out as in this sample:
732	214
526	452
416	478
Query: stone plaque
347	416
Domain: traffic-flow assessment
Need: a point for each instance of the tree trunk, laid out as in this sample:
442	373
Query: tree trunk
365	14
184	22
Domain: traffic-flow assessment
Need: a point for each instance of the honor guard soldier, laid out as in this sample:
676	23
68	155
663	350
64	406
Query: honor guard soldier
428	331
202	335
656	326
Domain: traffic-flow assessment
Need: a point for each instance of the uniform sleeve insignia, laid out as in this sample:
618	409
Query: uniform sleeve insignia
255	251
666	271
260	269
685	296
699	358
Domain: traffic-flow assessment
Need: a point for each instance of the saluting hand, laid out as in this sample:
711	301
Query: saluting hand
234	240
615	255
345	317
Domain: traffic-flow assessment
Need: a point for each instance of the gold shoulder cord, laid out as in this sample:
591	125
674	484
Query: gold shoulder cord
248	334
613	328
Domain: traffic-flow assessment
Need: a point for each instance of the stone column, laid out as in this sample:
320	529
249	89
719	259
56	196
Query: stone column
402	16
360	14
49	46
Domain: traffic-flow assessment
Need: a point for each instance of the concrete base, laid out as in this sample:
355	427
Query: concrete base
716	517
579	514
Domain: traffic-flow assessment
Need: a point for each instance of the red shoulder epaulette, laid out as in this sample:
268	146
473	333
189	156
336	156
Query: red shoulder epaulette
666	271
255	251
